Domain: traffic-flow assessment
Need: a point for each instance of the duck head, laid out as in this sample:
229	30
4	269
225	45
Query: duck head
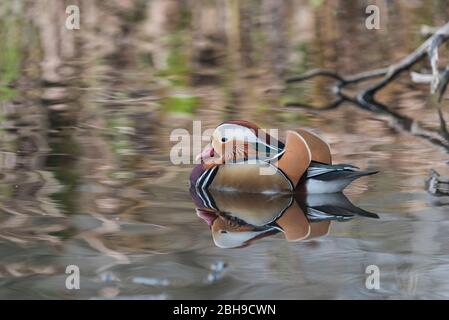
237	141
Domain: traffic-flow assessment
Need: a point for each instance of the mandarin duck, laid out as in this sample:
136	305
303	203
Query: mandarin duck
242	157
238	219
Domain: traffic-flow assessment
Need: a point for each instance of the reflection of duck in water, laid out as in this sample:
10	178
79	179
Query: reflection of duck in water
237	219
240	152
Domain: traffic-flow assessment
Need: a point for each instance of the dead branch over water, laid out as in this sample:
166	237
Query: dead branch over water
365	98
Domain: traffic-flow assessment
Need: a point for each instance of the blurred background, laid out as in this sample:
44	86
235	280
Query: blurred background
84	157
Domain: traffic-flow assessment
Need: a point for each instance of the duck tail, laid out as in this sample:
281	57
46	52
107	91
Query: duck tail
334	206
353	175
332	179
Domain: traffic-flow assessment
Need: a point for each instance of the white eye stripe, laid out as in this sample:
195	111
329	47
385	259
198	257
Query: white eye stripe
246	135
234	132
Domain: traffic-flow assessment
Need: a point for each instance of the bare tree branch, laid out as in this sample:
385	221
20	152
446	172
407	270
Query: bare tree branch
366	97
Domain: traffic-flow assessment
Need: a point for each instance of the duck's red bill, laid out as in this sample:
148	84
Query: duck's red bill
206	154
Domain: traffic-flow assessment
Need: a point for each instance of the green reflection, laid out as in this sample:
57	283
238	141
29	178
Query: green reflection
181	103
10	54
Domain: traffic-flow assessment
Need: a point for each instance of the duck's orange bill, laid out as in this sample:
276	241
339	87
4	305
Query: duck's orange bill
206	154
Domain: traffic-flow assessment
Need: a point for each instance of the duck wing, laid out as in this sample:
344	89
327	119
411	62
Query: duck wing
319	149
296	157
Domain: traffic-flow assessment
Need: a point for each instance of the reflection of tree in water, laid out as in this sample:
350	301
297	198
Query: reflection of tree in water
77	128
104	129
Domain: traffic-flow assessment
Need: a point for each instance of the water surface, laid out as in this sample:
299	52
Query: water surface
86	177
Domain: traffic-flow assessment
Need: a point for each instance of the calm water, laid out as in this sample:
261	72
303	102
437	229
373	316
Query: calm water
85	172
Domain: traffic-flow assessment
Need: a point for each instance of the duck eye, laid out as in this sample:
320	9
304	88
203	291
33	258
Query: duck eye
224	139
